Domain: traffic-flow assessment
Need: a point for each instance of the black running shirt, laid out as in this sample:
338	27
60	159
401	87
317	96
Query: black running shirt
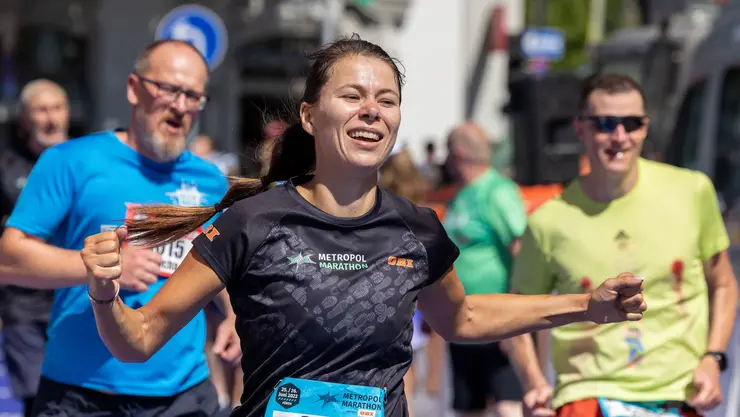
325	298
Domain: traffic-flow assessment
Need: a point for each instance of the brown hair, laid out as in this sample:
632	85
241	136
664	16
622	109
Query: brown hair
293	154
611	84
400	175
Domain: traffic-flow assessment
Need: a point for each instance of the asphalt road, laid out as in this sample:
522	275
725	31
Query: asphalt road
439	407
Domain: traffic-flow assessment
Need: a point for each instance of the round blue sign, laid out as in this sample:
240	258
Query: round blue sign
198	25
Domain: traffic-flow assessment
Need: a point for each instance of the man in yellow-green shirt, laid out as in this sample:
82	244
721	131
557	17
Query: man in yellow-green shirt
659	222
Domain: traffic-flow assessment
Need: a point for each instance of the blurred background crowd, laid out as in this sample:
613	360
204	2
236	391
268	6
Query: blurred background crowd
511	68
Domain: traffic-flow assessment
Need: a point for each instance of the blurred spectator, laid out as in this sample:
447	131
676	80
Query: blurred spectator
431	170
400	175
204	147
44	120
485	220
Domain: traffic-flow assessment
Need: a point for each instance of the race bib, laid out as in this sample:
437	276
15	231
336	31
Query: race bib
172	253
615	408
304	398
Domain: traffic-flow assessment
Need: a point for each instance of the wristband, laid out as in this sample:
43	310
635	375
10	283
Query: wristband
96	301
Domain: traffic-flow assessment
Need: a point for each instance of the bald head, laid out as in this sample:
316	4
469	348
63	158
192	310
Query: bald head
157	51
44	114
470	143
39	87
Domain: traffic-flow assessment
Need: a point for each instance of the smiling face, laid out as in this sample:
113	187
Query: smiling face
166	96
613	130
356	118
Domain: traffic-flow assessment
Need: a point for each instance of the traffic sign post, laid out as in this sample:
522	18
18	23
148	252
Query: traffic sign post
541	46
199	26
543	43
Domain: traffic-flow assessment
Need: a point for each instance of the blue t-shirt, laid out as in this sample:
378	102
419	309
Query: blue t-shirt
86	186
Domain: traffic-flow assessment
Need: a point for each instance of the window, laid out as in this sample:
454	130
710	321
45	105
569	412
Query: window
683	147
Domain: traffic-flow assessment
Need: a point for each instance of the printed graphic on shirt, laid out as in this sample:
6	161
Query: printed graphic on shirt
330	261
633	339
345	304
677	271
187	196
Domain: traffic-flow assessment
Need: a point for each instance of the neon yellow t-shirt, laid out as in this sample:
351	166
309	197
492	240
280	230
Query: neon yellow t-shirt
662	230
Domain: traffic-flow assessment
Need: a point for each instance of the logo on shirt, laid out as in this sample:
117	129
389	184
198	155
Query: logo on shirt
403	262
332	261
187	195
622	239
299	260
211	233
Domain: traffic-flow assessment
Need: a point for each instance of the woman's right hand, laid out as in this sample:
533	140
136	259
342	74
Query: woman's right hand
102	258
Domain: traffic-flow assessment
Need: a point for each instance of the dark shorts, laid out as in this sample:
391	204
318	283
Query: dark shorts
23	346
61	400
481	373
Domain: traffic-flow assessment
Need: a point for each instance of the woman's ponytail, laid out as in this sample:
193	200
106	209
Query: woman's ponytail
292	155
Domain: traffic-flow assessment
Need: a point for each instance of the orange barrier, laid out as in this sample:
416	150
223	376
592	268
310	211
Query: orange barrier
533	196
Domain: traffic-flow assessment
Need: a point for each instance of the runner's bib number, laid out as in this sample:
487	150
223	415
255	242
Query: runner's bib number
615	408
304	398
174	253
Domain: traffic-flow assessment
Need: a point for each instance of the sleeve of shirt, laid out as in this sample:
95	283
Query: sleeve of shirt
505	212
712	234
531	273
441	251
47	196
224	244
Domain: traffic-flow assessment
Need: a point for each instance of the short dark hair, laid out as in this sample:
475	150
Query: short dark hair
611	84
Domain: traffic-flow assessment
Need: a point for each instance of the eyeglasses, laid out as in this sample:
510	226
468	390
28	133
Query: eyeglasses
193	99
608	124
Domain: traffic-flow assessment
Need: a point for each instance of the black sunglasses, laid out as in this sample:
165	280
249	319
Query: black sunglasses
608	124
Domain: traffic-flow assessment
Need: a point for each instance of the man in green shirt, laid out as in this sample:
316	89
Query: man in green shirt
485	220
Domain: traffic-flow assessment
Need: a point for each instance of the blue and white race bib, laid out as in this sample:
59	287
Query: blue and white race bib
615	408
304	398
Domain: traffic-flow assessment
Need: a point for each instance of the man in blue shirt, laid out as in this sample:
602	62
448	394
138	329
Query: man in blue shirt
90	184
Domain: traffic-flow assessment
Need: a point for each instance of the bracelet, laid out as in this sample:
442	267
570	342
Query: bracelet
96	301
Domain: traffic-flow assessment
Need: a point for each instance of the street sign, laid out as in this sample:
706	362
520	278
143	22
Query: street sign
201	27
543	43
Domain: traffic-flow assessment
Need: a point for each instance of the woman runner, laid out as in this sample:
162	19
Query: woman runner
325	270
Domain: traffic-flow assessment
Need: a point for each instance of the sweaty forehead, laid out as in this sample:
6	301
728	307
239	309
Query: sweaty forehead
178	65
367	72
628	103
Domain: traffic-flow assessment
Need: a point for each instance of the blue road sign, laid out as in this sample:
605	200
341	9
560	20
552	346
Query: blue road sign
201	27
543	43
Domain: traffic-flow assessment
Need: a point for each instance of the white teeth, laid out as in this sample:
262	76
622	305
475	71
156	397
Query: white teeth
364	134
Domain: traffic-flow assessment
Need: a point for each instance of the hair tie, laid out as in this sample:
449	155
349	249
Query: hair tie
219	207
265	183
